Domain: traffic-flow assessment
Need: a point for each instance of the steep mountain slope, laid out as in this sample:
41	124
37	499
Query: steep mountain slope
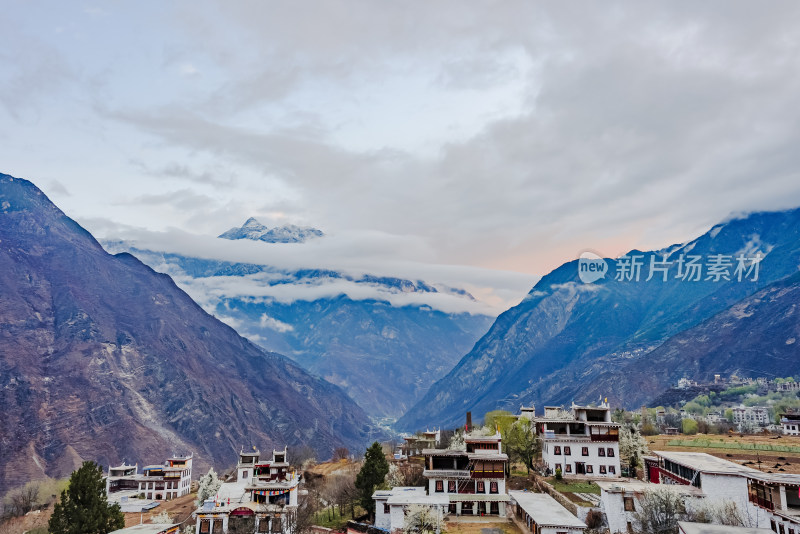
254	230
570	341
757	336
384	355
102	358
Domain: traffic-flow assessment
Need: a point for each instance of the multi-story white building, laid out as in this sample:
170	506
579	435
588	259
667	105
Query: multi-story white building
753	415
788	386
156	482
474	480
262	497
583	441
467	483
790	423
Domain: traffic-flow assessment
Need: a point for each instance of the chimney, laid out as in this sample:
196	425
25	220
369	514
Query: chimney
469	421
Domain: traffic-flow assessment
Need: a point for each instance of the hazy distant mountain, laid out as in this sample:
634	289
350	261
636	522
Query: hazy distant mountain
629	340
384	355
102	358
254	230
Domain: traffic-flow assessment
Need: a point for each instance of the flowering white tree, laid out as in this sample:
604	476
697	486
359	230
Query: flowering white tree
162	519
208	486
457	442
394	477
632	445
421	519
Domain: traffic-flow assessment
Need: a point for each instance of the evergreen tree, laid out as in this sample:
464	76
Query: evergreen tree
372	474
83	508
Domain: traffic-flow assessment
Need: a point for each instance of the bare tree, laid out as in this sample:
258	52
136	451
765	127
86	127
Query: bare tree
659	511
299	520
719	513
22	500
301	457
341	453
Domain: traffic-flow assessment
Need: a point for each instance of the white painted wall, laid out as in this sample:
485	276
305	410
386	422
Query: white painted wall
501	486
594	459
397	517
382	520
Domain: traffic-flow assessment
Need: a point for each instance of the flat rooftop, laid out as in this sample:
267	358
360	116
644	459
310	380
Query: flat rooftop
700	461
637	486
400	490
705	528
144	529
545	510
419	498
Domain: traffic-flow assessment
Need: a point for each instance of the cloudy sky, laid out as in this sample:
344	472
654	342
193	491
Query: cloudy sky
483	141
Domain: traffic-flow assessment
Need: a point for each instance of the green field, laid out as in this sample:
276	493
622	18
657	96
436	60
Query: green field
566	486
731	445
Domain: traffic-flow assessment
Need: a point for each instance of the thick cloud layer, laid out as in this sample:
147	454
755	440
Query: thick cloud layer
503	135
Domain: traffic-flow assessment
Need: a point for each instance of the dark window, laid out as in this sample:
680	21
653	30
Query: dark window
601	451
493	488
495	509
585	451
567	451
612	469
440	486
451	486
263	524
244	473
772	524
558	466
385	508
481	487
602	470
569	468
628	501
205	526
451	508
556	450
610	452
589	468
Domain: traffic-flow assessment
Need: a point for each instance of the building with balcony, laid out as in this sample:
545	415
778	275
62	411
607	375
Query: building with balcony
751	415
580	442
766	499
473	480
156	482
468	483
262	498
414	445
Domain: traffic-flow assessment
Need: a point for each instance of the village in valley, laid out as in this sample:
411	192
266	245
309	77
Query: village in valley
726	460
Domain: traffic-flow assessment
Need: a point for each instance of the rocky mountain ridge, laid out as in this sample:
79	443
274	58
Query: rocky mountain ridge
102	358
629	338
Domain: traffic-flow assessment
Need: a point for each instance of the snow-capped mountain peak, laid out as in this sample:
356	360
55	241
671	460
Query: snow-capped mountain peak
290	233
